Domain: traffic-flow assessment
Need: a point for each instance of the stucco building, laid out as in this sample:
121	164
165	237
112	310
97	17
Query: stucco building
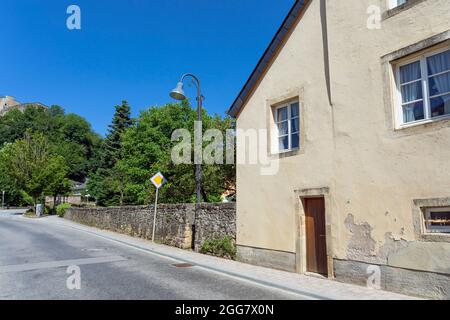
8	103
355	98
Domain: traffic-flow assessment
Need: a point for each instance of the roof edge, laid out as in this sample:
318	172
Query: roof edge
266	59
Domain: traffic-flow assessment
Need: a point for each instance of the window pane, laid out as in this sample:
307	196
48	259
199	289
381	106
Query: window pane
440	106
413	112
283	128
439	63
294	110
439	84
295	125
284	143
438	221
295	141
410	72
282	114
412	92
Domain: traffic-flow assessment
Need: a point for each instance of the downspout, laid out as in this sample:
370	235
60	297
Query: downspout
326	54
326	62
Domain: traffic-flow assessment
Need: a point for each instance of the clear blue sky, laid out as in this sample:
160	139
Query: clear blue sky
131	49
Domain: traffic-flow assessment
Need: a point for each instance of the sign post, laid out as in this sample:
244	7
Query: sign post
158	181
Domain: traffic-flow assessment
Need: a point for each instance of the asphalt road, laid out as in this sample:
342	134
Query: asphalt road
35	257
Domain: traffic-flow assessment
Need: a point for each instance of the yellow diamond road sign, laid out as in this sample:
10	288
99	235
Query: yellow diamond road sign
158	180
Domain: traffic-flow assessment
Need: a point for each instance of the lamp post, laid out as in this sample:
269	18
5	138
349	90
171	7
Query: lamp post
178	94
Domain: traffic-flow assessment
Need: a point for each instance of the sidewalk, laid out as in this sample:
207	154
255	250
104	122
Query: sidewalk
309	286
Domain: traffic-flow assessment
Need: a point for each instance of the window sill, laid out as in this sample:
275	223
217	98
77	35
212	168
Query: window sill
423	122
287	153
435	237
394	11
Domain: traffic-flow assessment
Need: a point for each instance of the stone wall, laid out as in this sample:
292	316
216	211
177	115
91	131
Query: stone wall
215	220
174	224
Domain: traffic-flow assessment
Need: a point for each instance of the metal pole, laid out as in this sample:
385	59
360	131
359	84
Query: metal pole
3	199
198	166
154	216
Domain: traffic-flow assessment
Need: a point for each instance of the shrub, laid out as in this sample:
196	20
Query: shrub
48	210
221	247
30	213
61	209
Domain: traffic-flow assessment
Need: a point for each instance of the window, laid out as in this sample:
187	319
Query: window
287	120
396	3
437	220
423	87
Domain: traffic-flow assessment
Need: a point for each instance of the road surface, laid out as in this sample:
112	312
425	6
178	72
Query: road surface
35	256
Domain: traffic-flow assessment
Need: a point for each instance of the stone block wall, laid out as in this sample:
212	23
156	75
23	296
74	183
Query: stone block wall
174	224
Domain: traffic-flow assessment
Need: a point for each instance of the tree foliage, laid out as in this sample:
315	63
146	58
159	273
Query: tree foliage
145	148
30	168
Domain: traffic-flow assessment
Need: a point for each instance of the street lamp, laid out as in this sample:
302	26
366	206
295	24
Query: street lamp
178	94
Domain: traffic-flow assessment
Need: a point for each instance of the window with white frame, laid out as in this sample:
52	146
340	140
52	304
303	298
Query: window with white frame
423	86
287	120
396	3
437	220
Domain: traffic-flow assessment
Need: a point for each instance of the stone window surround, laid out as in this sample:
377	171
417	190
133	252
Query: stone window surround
388	63
398	9
418	209
300	244
296	94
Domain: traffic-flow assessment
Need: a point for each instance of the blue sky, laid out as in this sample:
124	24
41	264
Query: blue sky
134	50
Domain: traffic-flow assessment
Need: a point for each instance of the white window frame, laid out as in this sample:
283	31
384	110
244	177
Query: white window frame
434	230
395	3
425	92
289	119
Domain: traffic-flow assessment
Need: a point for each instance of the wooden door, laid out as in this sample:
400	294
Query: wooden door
316	247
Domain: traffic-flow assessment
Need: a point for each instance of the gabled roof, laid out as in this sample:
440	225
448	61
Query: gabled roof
271	52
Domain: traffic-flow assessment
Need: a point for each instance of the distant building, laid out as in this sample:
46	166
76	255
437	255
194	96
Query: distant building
8	103
77	195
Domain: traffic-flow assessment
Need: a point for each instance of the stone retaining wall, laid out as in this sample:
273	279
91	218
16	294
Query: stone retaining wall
174	224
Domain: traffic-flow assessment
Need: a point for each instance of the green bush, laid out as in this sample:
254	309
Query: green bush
221	247
48	210
61	209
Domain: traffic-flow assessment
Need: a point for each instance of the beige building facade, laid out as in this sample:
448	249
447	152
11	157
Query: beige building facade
355	96
6	103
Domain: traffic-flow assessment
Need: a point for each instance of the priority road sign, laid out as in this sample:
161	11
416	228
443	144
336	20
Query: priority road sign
158	180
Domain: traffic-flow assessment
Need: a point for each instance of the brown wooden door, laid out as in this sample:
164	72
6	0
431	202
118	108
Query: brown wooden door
316	247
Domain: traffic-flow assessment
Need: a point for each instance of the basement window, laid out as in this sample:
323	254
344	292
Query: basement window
437	220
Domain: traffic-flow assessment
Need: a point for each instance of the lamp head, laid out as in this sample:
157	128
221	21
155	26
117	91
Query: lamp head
178	92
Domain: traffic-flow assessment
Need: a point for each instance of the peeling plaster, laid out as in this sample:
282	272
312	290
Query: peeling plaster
361	244
362	247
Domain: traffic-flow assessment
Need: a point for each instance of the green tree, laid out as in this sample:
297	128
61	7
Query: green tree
55	176
105	182
112	144
69	135
146	149
32	168
13	194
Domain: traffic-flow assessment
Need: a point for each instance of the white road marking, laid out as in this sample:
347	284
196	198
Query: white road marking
57	264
